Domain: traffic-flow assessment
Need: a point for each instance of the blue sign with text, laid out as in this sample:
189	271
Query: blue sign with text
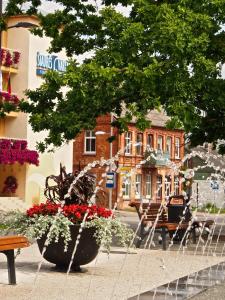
110	180
50	62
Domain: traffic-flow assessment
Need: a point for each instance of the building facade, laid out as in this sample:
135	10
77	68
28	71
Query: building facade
135	180
31	60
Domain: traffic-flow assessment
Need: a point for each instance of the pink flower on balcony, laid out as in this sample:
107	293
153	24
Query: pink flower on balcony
12	151
8	59
10	98
16	57
2	55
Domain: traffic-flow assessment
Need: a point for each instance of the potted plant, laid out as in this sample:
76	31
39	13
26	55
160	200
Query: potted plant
69	229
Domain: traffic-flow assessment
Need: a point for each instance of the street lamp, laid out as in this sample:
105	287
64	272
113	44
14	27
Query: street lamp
23	25
110	154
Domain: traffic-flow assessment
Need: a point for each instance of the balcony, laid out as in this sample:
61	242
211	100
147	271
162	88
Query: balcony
16	151
9	60
155	159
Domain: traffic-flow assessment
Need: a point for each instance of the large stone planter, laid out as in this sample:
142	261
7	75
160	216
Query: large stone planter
86	251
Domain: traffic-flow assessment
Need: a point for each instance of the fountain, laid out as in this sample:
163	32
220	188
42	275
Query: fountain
205	259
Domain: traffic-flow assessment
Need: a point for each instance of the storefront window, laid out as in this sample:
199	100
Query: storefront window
167	186
159	187
176	186
127	188
148	186
138	186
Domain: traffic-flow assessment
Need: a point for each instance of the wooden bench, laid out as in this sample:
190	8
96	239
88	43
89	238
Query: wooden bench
7	246
154	214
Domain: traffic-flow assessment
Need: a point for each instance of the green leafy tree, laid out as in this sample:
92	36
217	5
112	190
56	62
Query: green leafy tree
163	54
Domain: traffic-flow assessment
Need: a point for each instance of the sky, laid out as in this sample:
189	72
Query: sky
50	6
47	6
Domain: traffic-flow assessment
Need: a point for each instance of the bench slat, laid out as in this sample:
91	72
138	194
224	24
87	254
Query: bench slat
6	240
13	246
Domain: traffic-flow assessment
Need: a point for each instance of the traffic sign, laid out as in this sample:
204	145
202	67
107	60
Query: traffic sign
215	185
110	180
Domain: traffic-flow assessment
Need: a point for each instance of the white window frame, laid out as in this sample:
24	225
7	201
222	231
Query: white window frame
159	187
148	186
169	138
91	138
167	184
160	145
138	186
176	186
177	148
128	140
139	148
149	138
127	188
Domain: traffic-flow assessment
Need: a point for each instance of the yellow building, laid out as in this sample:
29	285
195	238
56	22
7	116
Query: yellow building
25	60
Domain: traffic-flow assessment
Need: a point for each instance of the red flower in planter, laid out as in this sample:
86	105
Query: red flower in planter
73	212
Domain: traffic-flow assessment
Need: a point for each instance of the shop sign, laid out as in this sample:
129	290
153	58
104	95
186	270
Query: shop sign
50	62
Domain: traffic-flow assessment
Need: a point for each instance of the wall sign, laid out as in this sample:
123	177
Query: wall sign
50	62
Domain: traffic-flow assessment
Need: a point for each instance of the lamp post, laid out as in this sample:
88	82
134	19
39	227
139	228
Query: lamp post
110	155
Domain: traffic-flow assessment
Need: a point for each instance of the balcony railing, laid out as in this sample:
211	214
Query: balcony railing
16	151
156	158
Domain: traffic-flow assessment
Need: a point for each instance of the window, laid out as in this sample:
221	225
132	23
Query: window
148	186
90	141
169	145
177	148
139	142
138	186
160	143
128	140
150	141
176	186
159	187
167	186
126	187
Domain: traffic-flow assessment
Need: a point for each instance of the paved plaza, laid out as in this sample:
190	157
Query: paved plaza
117	276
